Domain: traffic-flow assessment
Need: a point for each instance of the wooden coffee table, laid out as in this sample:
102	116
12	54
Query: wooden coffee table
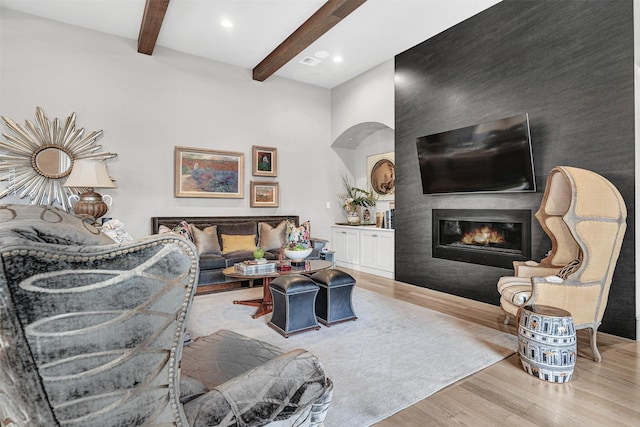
265	304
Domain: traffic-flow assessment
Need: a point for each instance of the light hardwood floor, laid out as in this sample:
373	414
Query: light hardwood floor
599	394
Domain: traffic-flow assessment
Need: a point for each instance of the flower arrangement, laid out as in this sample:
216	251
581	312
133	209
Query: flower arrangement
354	196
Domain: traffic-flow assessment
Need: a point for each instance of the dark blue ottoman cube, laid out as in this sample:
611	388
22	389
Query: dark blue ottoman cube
333	303
294	298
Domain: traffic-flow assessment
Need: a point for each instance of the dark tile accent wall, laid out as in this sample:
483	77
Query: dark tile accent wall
569	64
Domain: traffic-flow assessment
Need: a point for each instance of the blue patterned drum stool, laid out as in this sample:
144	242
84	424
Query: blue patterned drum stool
547	341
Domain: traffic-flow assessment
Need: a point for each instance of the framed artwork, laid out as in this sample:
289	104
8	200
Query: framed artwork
265	161
208	173
264	194
381	175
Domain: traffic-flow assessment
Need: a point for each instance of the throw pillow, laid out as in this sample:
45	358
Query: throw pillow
236	243
164	229
569	269
182	229
299	235
212	229
271	238
206	240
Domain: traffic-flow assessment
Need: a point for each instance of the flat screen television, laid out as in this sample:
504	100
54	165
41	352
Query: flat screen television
488	157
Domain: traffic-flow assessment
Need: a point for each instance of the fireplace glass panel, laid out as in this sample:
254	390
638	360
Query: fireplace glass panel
493	237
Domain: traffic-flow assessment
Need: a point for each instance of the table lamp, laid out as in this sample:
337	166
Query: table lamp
90	174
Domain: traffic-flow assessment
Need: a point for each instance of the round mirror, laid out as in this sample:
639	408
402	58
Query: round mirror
52	162
383	177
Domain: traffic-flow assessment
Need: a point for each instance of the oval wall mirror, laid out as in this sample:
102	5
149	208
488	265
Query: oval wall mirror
52	162
36	158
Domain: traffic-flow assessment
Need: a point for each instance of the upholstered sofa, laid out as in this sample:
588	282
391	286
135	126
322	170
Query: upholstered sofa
92	334
224	241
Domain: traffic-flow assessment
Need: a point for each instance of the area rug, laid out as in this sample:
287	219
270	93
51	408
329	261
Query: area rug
394	355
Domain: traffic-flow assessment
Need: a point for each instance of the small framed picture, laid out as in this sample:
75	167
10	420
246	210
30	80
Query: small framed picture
264	194
208	173
381	175
265	161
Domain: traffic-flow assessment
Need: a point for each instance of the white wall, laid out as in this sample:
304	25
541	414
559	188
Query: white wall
366	98
147	105
362	121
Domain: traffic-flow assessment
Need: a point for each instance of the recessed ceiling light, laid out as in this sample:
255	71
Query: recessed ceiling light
226	23
337	59
322	54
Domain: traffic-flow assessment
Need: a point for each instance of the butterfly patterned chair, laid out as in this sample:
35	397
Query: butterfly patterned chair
92	333
584	215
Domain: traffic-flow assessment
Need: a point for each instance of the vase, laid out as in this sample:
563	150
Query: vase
353	217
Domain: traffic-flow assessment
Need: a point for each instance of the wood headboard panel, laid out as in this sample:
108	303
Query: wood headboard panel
206	221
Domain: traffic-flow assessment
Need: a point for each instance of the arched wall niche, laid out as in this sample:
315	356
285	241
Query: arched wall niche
360	141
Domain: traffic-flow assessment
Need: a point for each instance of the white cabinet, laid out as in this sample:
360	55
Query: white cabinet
367	249
376	249
345	245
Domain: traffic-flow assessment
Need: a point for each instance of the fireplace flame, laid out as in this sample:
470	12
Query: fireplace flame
482	236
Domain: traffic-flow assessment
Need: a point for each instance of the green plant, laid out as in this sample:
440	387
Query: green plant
355	196
293	246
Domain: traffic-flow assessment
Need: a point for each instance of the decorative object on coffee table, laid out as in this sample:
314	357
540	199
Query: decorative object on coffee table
258	253
547	342
297	254
299	244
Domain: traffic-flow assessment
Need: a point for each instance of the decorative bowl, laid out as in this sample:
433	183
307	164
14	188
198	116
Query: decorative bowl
298	255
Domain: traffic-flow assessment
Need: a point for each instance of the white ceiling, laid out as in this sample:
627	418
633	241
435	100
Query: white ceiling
374	33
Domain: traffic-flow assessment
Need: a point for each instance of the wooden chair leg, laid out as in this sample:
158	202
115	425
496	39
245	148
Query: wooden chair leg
594	347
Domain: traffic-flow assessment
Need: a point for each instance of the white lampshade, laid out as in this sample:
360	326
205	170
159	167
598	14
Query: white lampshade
89	173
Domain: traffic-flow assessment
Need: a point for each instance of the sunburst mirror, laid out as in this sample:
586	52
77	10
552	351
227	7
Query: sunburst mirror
36	159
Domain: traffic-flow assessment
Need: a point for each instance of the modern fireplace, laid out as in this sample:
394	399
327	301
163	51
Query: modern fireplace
494	237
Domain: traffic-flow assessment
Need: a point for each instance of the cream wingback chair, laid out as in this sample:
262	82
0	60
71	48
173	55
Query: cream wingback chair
584	215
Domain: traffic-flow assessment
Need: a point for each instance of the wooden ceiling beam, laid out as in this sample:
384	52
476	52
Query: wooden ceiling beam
154	11
332	12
